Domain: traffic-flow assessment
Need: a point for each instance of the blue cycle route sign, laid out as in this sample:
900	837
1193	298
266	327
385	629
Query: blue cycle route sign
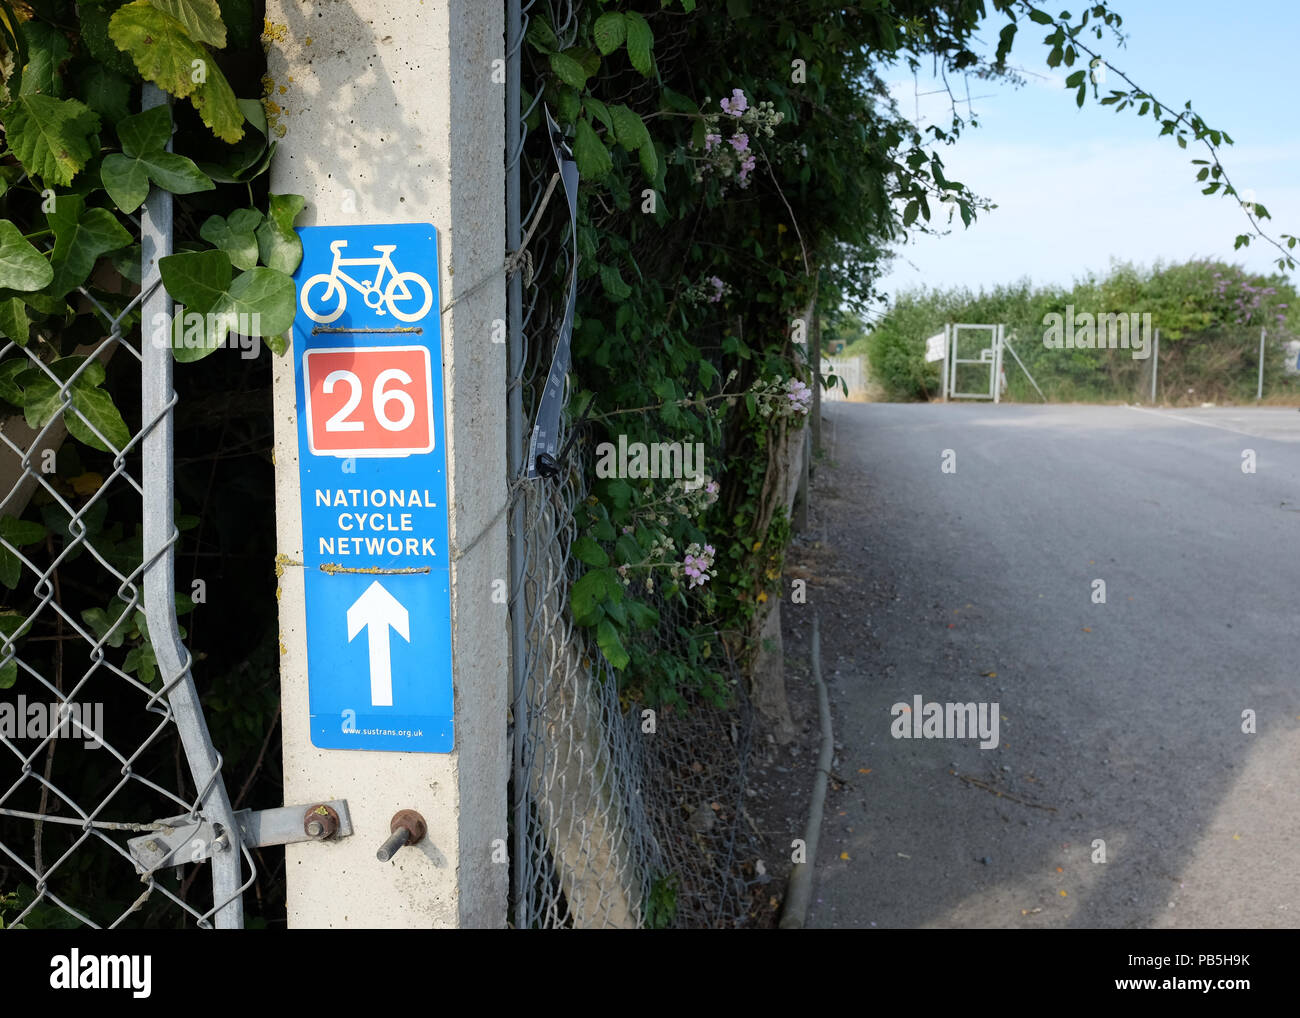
367	348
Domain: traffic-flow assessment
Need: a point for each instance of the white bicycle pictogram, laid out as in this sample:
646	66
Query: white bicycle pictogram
398	296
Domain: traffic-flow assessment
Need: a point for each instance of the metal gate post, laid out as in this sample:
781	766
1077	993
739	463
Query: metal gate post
160	535
515	427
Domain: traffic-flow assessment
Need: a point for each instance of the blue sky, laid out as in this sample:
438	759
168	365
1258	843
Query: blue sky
1077	188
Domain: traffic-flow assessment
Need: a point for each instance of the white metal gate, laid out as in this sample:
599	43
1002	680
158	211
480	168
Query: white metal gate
960	341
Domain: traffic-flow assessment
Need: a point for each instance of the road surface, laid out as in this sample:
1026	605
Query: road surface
1122	725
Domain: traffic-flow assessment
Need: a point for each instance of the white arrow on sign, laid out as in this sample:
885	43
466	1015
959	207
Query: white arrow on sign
376	610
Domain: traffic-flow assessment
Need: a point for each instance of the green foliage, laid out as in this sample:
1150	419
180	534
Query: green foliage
669	357
737	161
169	53
77	161
1209	315
51	138
661	903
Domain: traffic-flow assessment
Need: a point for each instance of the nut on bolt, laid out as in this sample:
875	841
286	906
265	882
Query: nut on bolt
412	822
408	828
320	822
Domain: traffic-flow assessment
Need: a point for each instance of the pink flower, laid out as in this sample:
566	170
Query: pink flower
746	168
736	105
740	141
712	141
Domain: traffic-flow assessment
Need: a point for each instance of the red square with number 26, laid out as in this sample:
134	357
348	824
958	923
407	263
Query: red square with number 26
373	401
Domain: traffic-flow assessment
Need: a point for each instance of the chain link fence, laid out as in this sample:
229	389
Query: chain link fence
1239	364
620	818
102	738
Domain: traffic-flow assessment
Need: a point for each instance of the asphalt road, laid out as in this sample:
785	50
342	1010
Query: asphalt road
1119	722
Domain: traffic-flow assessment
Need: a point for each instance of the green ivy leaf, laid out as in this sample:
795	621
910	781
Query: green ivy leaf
21	533
251	156
15	325
42	400
640	42
143	158
102	624
10	624
590	153
609	32
176	173
165	54
147	131
106	92
201	18
22	267
234	236
610	645
197	279
278	243
98	409
94	36
11	572
126	181
141	659
50	137
587	551
81	237
262	299
266	293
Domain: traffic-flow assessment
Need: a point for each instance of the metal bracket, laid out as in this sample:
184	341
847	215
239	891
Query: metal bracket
183	840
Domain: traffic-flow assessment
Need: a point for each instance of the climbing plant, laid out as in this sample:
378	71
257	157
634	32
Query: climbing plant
741	162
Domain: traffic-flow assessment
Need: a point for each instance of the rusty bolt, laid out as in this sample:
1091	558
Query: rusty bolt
411	822
320	822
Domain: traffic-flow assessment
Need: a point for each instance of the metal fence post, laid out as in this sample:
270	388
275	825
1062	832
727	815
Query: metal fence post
515	426
1259	389
817	376
1155	366
160	536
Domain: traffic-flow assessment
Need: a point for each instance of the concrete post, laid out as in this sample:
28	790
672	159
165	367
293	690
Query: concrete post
393	112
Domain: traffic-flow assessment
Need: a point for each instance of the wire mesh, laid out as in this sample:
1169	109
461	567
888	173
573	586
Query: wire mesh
614	825
103	738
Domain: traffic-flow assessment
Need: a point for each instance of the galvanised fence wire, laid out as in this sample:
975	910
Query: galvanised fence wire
1231	364
613	825
102	738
